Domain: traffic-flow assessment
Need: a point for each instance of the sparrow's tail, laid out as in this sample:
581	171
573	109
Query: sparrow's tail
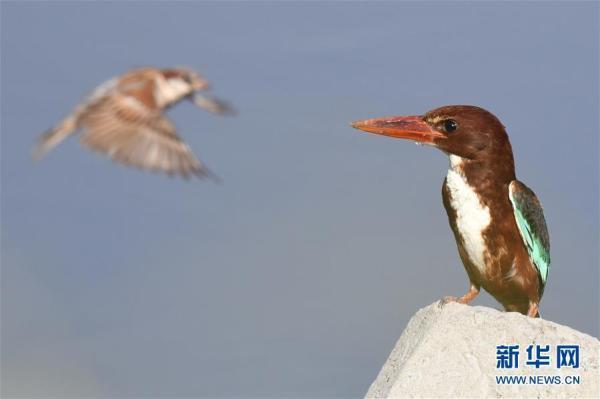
54	136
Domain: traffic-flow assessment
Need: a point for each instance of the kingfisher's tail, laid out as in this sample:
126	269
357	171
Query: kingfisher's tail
54	136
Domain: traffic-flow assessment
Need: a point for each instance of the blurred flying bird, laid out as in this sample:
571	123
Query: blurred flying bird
497	221
124	118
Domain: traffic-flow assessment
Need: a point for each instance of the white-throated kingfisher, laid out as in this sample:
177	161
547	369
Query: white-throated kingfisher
497	221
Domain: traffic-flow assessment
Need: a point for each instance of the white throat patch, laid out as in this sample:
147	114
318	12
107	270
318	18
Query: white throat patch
170	90
472	217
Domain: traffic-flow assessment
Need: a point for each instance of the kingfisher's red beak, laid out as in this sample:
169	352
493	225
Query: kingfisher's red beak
402	127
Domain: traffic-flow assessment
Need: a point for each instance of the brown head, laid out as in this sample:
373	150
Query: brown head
464	130
186	82
187	76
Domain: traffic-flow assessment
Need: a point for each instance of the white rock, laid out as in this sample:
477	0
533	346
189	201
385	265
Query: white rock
450	352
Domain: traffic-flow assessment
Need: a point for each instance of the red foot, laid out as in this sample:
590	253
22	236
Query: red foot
533	310
468	297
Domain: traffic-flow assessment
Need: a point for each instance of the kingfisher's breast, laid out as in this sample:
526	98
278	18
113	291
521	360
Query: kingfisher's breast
472	217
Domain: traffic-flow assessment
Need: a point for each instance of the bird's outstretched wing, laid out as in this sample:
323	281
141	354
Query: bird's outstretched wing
132	133
532	226
213	104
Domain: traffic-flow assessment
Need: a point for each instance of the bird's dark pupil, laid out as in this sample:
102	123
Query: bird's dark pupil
450	125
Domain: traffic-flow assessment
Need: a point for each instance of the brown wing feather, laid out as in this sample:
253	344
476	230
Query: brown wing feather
125	129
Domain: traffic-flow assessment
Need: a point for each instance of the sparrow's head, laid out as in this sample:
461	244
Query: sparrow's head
467	131
187	83
187	76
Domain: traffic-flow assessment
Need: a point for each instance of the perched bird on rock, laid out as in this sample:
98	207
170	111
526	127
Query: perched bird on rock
124	118
498	222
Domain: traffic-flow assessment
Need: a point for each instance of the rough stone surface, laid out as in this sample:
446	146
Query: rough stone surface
450	352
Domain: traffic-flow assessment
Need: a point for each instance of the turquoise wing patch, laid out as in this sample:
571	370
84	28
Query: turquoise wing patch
532	226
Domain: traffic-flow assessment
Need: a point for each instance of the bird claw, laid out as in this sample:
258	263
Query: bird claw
446	300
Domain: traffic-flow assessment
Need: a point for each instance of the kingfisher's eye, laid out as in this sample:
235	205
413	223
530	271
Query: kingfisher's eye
450	125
